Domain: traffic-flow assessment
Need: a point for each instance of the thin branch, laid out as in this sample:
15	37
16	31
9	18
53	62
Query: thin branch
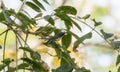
4	46
22	39
91	28
16	53
4	32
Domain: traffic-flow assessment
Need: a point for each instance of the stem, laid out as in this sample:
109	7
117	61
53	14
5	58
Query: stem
3	32
91	28
4	46
25	43
16	53
21	7
22	39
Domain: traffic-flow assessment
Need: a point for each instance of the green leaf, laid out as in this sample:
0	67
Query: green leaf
66	19
7	17
106	35
35	56
0	47
49	19
45	31
96	23
76	24
65	58
73	34
10	12
86	16
81	39
11	69
22	66
38	4
66	10
35	65
46	1
2	67
33	6
26	21
66	40
116	44
26	49
38	15
2	18
82	70
64	68
118	60
118	70
7	61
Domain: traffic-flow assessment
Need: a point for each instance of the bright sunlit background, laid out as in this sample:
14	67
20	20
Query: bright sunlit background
94	57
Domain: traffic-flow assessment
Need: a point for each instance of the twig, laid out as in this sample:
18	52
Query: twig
16	53
91	28
4	46
4	32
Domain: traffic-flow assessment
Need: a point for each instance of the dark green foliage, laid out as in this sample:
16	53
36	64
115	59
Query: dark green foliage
118	69
2	16
118	60
49	19
7	17
66	10
26	21
64	68
36	66
33	6
38	15
38	4
66	40
76	24
45	1
106	35
7	61
115	44
2	67
81	39
0	47
51	34
23	66
96	23
82	70
34	55
66	19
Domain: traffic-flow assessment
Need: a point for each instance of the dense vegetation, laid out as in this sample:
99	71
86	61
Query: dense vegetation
31	60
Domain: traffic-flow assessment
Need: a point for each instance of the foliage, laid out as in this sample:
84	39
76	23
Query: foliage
50	33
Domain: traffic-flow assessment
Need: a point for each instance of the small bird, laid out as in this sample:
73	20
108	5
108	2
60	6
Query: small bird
59	35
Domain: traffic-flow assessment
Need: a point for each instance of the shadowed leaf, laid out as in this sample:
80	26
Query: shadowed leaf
66	10
106	35
66	40
116	44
